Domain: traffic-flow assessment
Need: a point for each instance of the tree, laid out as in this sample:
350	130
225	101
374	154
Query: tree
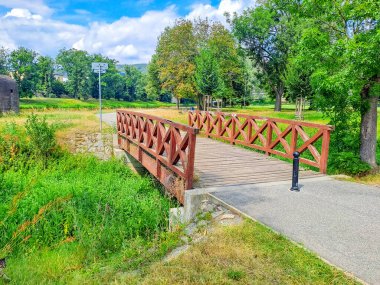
134	84
77	64
45	75
153	84
340	46
22	63
266	33
58	88
225	50
113	86
208	79
4	61
176	51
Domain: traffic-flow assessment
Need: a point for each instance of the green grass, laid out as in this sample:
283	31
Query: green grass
66	217
76	218
244	254
60	103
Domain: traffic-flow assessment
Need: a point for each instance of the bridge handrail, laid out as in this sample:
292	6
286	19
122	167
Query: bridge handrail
249	133
159	144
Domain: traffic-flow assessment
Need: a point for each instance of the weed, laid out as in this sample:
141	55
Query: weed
235	274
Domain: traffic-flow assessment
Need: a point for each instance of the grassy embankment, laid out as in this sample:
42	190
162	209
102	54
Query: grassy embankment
70	219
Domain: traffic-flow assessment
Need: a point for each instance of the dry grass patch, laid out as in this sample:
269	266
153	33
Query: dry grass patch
68	122
372	179
245	254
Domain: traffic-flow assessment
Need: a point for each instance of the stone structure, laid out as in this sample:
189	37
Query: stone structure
9	99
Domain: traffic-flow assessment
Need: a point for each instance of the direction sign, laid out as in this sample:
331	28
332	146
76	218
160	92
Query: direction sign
97	70
99	65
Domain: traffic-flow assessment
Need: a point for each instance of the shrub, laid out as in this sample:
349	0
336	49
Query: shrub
41	136
13	147
347	163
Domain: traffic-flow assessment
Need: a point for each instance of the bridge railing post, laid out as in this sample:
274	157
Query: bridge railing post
325	151
296	163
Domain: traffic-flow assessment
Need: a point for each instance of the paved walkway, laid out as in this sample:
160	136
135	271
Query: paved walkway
340	221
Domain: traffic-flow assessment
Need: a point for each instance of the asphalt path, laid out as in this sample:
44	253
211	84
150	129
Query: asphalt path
340	221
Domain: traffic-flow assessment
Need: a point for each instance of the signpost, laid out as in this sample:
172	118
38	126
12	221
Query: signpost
100	67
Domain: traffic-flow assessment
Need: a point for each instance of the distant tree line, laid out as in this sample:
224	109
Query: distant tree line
70	75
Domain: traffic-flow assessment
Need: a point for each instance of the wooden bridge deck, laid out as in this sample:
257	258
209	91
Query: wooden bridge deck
222	164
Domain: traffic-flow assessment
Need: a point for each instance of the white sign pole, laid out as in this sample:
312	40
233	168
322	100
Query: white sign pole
100	68
100	103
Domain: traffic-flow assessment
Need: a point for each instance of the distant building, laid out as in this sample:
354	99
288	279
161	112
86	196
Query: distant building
61	76
9	99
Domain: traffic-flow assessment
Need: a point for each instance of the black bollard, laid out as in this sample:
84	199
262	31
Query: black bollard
296	164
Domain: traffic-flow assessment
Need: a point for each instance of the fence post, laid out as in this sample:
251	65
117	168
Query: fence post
324	151
233	127
269	136
191	161
219	118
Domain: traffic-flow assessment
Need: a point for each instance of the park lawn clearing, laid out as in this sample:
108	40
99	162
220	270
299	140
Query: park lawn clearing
66	103
244	254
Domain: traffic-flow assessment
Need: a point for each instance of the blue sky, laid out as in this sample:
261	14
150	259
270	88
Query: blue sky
124	30
80	12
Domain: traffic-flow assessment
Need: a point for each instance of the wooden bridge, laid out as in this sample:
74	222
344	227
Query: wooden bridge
180	160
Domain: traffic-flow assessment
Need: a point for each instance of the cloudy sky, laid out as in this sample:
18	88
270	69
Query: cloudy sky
124	30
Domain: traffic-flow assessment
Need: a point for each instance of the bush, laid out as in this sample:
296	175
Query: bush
13	147
347	163
41	136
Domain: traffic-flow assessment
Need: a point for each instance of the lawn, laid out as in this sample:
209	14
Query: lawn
63	103
244	254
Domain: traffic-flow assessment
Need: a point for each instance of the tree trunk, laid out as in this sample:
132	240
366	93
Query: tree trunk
279	92
368	128
177	103
199	103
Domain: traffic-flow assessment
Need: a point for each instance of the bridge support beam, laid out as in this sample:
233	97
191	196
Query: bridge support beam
128	159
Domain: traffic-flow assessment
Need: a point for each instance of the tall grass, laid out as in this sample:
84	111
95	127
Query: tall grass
73	205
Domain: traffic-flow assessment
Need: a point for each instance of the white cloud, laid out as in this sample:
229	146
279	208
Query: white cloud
34	6
217	14
22	13
46	36
128	40
131	40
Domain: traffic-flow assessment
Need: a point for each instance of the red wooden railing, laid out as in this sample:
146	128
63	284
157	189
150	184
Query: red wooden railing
265	134
165	148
